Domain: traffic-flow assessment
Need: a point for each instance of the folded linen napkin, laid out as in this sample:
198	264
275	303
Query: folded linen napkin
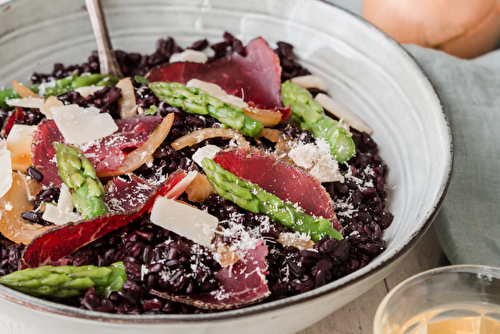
468	224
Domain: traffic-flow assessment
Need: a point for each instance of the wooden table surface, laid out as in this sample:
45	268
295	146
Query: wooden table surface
354	318
357	316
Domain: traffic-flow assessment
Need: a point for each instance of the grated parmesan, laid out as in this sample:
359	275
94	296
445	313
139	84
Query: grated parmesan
317	160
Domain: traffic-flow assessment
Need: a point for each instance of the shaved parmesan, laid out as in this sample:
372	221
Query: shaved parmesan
317	160
88	90
309	81
208	151
50	102
5	169
192	56
19	144
215	91
342	112
62	213
81	125
27	102
65	202
127	102
186	221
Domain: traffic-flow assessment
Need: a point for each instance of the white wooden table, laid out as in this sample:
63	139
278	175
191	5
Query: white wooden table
354	318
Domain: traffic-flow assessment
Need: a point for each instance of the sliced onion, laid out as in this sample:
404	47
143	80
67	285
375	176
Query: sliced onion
271	134
227	256
268	118
144	153
283	147
19	143
127	102
340	111
198	136
24	91
309	81
199	189
13	204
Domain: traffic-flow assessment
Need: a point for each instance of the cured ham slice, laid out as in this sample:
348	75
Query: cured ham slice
240	285
126	195
106	154
281	179
254	77
61	241
16	116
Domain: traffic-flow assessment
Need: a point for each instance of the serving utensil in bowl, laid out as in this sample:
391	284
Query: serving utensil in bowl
107	58
364	70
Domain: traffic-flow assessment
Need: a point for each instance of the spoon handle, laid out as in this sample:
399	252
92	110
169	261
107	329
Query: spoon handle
107	59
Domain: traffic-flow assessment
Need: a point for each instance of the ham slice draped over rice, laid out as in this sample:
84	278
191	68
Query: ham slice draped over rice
281	179
241	284
255	77
105	154
61	241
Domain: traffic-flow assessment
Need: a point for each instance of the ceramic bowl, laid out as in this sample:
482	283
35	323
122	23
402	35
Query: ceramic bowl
364	70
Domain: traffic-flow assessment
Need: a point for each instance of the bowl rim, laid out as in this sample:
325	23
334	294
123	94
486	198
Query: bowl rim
351	279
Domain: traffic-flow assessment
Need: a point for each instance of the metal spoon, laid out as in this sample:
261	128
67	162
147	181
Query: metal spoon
107	58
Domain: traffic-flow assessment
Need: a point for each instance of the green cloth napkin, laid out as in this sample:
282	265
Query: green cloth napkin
468	224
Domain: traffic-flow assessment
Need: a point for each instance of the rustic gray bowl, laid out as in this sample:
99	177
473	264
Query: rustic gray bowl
364	69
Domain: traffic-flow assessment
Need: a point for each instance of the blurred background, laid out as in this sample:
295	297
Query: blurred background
352	5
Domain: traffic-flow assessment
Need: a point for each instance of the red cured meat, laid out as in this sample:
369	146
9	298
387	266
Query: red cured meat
126	196
280	179
285	112
104	154
63	240
255	77
14	118
240	285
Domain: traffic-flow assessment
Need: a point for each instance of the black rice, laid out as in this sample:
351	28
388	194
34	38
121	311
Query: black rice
158	259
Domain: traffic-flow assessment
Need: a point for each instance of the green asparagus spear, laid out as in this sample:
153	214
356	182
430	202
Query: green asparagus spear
67	281
79	175
196	101
7	95
255	199
311	116
61	86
